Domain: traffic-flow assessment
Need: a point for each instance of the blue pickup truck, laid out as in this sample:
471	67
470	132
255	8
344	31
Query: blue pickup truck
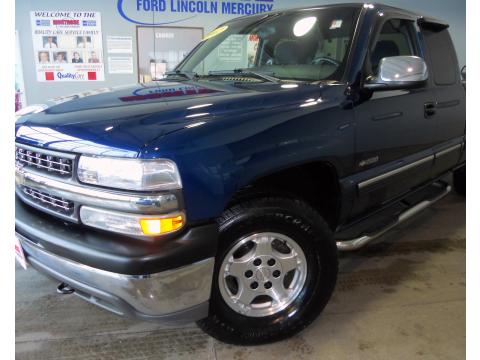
222	193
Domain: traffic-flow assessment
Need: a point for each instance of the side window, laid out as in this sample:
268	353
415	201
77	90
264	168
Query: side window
396	38
442	56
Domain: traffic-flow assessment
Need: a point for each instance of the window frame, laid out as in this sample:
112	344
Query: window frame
417	41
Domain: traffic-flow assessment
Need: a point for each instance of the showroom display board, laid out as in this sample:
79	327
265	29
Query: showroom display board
67	45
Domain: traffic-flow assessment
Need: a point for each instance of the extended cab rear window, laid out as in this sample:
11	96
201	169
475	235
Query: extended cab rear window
441	52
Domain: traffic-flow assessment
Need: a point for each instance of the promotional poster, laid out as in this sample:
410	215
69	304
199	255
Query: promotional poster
67	45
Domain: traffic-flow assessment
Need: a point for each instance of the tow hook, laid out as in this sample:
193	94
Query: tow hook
65	289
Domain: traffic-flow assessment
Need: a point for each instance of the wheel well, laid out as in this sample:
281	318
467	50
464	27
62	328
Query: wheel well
315	183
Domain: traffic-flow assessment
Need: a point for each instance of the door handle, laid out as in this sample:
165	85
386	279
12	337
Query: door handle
429	109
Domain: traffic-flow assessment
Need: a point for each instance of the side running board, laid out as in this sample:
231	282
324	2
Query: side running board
357	243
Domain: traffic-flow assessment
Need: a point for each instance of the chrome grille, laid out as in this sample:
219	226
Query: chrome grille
48	201
54	164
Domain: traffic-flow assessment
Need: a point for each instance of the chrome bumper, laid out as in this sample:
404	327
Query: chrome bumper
175	296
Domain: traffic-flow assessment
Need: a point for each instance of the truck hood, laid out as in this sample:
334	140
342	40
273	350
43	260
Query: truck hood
123	121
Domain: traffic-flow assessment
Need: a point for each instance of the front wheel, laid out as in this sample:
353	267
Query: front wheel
275	271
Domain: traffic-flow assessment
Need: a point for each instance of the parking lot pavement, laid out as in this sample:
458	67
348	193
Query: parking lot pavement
402	297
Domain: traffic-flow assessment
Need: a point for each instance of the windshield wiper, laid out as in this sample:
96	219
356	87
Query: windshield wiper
190	75
246	73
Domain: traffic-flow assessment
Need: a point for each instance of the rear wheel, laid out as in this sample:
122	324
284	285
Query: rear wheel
459	181
275	271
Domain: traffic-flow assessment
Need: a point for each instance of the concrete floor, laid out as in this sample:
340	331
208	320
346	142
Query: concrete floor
399	298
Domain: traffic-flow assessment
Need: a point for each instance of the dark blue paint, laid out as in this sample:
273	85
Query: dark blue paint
248	131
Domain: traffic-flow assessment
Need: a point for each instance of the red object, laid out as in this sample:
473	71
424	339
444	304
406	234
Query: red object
18	101
92	75
66	22
49	76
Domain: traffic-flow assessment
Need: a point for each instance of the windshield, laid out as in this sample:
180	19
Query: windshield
307	45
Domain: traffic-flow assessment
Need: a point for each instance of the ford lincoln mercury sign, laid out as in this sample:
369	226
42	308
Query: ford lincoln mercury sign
135	10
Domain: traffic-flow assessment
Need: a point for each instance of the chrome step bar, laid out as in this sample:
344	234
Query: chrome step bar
355	244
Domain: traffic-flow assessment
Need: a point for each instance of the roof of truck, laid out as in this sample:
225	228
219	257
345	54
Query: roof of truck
372	6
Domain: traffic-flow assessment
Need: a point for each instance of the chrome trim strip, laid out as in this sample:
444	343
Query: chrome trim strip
448	150
354	244
84	195
388	174
153	294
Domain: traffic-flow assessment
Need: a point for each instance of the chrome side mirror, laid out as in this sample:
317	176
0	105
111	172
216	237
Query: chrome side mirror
399	72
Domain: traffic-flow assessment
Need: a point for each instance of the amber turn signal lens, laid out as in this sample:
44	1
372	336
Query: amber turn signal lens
161	226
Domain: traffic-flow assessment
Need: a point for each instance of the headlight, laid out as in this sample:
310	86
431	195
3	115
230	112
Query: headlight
129	174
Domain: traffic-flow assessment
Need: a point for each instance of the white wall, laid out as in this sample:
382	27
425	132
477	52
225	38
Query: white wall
114	24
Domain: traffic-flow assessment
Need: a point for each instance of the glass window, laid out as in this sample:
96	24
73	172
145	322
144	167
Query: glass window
442	56
303	45
395	39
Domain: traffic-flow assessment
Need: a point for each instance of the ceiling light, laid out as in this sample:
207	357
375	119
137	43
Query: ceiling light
289	86
195	124
199	106
196	115
303	26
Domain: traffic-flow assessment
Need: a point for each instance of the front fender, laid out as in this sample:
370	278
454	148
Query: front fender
218	158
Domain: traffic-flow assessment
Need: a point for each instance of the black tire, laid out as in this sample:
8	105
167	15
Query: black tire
459	181
299	221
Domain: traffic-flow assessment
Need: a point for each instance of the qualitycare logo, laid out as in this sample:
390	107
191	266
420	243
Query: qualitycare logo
137	11
69	75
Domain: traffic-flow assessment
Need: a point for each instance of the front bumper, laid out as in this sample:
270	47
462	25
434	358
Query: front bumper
166	280
174	296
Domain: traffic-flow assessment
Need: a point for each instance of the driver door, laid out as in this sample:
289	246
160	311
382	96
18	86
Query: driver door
394	128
